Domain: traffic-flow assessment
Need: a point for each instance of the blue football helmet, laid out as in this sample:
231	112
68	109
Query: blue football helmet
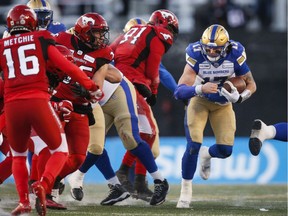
43	10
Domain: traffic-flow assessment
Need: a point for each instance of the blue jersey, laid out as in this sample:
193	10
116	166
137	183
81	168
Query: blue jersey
56	27
233	64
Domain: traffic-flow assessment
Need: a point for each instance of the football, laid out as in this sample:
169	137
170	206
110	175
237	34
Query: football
238	82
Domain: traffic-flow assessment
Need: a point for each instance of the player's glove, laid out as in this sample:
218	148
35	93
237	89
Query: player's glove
151	100
233	97
80	91
64	107
96	95
143	90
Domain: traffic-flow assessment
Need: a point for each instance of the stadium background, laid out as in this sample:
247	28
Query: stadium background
266	47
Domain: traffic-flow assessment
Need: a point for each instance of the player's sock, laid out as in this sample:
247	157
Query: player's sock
90	160
43	157
104	166
143	152
34	168
20	173
53	167
128	159
140	168
189	160
281	131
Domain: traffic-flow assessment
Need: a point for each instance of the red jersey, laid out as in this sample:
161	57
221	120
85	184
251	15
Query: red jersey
87	60
23	63
1	95
24	60
138	54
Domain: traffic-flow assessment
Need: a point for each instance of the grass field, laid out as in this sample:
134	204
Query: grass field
224	200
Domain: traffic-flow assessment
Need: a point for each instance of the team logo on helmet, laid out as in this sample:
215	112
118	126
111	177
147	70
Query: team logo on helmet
166	15
86	20
166	36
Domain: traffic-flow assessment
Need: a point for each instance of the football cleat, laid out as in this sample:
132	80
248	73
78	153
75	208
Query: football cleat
40	193
205	163
185	195
51	204
161	189
61	186
116	194
75	181
55	194
77	193
255	142
21	209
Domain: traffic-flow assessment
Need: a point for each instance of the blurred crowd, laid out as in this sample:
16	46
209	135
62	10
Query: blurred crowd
251	15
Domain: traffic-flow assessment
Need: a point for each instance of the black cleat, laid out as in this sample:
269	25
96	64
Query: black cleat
161	189
61	186
255	143
77	193
117	193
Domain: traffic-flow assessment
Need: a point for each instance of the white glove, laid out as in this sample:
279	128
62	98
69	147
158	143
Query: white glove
231	97
96	95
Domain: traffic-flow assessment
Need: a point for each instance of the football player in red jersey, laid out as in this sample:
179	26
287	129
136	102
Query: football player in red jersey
138	54
25	54
41	152
126	123
92	54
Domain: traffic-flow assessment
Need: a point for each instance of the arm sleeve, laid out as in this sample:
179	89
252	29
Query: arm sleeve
184	92
70	69
167	79
157	50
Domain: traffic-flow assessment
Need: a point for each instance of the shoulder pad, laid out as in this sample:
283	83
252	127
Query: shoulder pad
238	52
47	36
164	35
193	51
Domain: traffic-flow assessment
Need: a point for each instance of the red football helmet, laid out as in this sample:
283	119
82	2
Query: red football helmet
21	18
165	19
92	29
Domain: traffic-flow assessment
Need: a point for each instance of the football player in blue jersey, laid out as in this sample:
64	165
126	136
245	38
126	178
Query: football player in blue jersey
209	63
44	14
261	132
